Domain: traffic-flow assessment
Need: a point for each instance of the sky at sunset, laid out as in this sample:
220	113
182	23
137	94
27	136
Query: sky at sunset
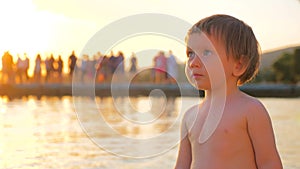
40	26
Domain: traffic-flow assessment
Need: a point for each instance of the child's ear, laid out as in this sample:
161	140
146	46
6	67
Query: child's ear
240	66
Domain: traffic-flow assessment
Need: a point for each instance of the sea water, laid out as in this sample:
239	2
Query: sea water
87	133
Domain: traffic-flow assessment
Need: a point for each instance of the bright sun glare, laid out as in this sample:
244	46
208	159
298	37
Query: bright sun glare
25	30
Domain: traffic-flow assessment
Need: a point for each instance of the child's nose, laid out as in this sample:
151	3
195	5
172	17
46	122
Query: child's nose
195	62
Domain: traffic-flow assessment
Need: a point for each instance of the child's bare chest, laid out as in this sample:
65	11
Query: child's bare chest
231	127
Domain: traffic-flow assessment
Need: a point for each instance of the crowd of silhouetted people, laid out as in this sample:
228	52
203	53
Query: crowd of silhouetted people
45	71
99	69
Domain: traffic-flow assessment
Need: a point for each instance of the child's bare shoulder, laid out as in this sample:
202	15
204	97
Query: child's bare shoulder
190	116
253	106
191	113
252	101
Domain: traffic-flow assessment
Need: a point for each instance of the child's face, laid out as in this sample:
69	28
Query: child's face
208	66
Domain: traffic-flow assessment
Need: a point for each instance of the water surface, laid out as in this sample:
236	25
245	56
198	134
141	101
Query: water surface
46	133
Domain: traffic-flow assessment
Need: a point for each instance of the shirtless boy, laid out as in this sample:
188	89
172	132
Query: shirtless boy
228	129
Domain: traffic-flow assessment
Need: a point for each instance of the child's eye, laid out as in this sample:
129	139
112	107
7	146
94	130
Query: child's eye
207	53
191	54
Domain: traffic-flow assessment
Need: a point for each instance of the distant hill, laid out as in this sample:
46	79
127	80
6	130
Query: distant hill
269	57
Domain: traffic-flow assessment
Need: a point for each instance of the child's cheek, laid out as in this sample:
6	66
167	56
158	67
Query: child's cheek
188	74
215	70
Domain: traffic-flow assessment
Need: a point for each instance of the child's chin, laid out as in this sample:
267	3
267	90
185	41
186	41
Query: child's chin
202	87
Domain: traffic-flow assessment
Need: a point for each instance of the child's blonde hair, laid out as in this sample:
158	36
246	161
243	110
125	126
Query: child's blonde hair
238	39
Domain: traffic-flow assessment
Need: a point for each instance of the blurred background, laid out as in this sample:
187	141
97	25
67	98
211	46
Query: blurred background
41	44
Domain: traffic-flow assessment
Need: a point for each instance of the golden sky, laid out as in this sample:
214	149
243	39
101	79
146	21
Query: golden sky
40	26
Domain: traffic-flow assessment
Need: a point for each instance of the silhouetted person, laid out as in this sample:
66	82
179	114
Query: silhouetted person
120	63
91	68
21	70
119	67
49	67
113	63
26	66
7	67
38	69
133	63
160	67
84	67
59	69
103	69
172	68
72	63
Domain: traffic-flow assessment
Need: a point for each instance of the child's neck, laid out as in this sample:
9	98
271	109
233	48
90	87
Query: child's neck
218	93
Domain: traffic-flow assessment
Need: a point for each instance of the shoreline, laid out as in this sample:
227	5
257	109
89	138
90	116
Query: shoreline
136	90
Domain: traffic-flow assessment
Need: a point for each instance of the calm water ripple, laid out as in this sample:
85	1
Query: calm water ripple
46	134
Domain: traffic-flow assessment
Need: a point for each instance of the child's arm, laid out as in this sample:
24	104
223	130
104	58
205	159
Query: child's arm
262	137
184	155
184	158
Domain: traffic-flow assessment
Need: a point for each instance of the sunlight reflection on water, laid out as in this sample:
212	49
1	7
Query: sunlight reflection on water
46	134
